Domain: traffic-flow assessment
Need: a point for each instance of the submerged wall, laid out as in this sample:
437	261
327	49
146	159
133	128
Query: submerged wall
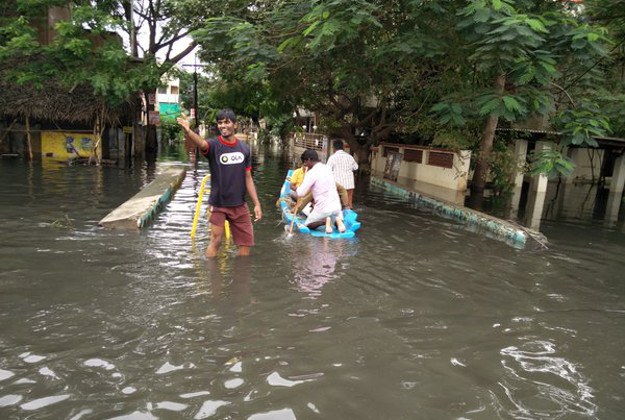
472	220
439	167
141	209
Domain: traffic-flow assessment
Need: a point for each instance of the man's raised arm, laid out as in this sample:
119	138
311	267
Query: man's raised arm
190	134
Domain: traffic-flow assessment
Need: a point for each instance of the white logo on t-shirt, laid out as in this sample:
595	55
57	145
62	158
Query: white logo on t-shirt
231	158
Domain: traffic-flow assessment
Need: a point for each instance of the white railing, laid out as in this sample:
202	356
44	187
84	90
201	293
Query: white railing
312	141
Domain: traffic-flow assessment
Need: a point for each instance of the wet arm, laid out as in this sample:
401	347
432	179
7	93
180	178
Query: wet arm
195	138
251	191
192	135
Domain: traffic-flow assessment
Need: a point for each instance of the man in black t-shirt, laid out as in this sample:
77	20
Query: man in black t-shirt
230	165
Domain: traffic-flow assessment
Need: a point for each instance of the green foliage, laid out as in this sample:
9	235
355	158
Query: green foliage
551	162
73	57
611	105
449	112
578	126
87	49
502	168
16	35
455	139
171	131
509	107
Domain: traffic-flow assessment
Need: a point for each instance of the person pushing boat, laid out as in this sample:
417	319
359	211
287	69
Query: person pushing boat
320	181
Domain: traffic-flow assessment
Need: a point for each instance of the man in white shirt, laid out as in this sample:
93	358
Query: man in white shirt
320	181
343	166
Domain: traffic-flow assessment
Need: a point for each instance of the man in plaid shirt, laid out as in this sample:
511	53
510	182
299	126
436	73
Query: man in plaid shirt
343	166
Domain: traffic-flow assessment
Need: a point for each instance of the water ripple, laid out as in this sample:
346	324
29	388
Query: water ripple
541	384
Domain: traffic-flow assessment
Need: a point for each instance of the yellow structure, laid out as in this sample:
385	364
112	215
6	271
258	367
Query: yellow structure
66	145
198	206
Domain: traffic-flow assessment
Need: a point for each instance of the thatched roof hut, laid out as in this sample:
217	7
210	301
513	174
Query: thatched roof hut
54	103
27	111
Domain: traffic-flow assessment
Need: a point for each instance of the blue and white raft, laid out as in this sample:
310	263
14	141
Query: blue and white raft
349	217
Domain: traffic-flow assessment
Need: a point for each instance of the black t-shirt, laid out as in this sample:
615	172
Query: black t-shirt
228	164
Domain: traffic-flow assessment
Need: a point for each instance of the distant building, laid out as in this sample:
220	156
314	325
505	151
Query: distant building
168	100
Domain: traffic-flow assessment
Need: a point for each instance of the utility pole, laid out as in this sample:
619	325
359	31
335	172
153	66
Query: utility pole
196	115
133	31
195	83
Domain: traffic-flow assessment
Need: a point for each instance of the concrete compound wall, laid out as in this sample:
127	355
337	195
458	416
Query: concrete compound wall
469	219
439	167
141	209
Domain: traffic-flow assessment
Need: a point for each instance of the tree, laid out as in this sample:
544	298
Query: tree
521	61
611	94
371	68
364	66
166	25
80	63
78	54
107	67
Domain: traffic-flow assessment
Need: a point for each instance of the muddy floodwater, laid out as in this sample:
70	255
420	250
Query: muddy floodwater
417	318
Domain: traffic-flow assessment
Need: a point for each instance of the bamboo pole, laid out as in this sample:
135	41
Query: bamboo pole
8	130
95	140
98	130
30	145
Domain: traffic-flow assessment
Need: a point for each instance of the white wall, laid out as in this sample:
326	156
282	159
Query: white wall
454	178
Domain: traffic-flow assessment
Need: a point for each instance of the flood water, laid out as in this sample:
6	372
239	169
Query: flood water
416	319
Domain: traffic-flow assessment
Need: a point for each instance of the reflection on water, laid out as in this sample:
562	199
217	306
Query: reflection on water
314	261
417	318
564	202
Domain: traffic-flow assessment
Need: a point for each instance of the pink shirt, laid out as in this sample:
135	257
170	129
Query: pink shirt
320	181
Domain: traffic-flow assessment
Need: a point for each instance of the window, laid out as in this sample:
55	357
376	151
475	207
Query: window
412	155
443	160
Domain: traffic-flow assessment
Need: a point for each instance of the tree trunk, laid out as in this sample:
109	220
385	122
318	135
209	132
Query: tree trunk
361	153
150	142
363	158
486	144
138	143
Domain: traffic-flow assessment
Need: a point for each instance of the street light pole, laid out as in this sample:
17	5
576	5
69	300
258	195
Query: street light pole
195	83
196	115
195	107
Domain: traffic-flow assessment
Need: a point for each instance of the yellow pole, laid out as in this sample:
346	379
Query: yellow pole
198	206
196	216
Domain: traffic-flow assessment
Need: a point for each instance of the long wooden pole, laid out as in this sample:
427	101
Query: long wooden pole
98	130
30	145
8	130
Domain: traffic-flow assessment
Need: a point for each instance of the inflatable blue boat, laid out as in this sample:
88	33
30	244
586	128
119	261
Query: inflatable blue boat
349	217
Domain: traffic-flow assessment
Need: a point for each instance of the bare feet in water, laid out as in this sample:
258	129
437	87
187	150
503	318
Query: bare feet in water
340	225
328	225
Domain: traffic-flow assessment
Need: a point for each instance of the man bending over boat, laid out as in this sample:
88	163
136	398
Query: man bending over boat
320	181
296	180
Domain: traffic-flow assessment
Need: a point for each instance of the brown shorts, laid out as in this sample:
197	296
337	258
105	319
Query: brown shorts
240	223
